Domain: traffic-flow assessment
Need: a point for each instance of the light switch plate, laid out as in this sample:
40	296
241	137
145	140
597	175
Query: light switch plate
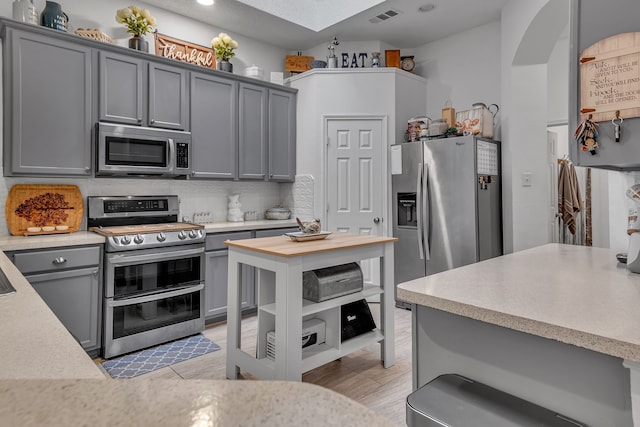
527	178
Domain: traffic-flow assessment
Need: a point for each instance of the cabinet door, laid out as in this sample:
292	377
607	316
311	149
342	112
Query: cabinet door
253	134
47	106
121	89
168	97
214	124
282	136
216	284
74	297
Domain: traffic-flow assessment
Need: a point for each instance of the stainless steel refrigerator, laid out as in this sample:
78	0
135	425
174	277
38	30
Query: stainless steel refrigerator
447	205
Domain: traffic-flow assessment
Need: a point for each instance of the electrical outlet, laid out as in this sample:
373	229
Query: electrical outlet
527	178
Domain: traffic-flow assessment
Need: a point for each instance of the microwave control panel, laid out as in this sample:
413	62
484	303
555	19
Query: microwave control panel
182	155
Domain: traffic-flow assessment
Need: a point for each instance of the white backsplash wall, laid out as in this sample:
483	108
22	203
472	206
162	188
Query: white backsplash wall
299	197
195	196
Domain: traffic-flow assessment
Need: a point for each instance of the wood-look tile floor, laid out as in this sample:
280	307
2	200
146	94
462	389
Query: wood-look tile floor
359	375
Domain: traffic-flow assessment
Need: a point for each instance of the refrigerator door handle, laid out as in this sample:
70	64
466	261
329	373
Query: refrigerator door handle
426	221
419	212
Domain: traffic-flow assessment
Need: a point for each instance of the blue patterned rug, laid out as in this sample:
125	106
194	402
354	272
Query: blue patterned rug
134	364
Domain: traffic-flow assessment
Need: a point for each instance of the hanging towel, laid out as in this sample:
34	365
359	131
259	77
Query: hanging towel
569	199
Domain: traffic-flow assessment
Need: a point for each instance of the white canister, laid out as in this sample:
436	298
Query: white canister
253	71
25	11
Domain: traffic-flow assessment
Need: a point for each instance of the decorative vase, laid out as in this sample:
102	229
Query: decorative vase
25	11
52	16
138	42
225	66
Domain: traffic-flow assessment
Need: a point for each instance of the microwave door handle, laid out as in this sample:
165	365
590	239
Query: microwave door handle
172	154
156	296
419	211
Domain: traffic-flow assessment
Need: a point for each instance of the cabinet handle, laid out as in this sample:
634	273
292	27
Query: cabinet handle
59	260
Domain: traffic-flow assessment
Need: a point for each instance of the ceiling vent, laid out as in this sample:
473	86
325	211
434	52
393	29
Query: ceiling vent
384	16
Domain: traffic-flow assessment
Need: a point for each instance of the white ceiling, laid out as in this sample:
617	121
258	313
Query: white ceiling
410	28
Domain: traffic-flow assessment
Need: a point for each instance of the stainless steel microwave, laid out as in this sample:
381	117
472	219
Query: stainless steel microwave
140	151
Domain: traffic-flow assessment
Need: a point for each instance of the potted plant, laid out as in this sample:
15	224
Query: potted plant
224	47
139	22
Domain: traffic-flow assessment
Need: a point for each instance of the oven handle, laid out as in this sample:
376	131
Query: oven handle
122	259
155	297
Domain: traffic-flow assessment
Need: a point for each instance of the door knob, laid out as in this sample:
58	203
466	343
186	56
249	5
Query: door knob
376	220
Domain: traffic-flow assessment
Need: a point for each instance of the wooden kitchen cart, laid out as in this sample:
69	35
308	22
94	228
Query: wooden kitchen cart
280	263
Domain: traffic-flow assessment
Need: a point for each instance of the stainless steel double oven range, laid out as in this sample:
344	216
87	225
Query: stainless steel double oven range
153	271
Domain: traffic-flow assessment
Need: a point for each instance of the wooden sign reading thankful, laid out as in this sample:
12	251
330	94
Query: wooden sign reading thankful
610	78
184	51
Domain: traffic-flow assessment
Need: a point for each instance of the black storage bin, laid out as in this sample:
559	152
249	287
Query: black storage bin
356	319
452	400
331	282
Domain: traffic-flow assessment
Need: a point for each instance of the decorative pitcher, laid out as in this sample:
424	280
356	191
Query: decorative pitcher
53	17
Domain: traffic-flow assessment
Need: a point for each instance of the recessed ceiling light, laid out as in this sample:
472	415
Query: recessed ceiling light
206	2
427	7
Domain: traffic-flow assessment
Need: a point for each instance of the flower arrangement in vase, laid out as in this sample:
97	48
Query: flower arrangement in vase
139	22
224	47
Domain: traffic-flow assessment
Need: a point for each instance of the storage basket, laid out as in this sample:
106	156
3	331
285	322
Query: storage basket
476	121
94	34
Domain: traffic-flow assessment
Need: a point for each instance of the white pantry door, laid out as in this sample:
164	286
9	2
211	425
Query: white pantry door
356	180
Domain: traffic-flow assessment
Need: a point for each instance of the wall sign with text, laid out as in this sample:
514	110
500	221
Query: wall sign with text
184	51
610	78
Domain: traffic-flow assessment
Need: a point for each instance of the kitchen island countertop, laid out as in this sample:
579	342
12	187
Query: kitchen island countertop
573	294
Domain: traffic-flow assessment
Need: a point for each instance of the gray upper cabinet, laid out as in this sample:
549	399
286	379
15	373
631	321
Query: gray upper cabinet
168	97
282	136
121	89
138	92
253	131
214	124
47	119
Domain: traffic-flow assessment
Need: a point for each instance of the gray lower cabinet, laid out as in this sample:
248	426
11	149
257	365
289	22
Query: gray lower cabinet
216	274
47	121
69	282
282	136
214	126
139	92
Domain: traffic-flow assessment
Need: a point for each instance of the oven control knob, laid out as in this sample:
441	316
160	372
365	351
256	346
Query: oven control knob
125	240
138	239
181	235
161	237
193	234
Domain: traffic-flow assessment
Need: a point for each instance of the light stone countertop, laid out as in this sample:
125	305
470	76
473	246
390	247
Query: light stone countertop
573	294
261	224
46	378
18	243
33	342
78	238
179	403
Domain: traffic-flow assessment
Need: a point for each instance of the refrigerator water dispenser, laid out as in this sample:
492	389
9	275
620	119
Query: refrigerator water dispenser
407	216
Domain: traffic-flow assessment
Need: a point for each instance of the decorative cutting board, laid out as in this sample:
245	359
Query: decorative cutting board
35	209
297	63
